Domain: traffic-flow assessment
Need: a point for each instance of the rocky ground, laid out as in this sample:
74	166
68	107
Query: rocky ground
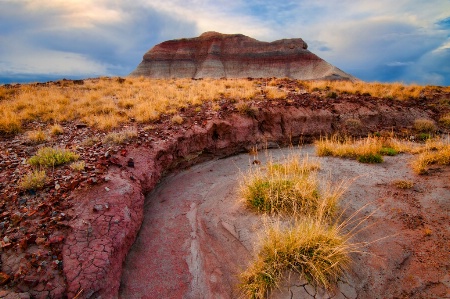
69	239
197	235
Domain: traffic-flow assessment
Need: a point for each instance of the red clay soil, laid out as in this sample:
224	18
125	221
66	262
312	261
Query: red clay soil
70	238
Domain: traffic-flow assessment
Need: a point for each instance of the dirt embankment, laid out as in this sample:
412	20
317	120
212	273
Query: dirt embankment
107	221
103	217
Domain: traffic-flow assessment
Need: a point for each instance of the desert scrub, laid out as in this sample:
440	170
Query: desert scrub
36	136
424	125
403	184
78	165
245	108
50	157
33	180
439	154
177	119
311	248
445	120
289	188
370	158
56	129
121	136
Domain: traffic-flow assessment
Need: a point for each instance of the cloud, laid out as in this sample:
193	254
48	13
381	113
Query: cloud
374	40
67	38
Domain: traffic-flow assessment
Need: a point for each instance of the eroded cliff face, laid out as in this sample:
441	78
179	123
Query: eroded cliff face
216	55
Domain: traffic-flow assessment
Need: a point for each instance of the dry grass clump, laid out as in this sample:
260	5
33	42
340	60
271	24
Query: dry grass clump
436	152
78	165
36	136
368	150
121	136
245	108
33	180
177	119
274	93
291	188
382	90
56	129
50	157
424	125
403	184
445	120
311	248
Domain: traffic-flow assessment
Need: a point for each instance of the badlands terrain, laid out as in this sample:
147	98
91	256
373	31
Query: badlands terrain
102	194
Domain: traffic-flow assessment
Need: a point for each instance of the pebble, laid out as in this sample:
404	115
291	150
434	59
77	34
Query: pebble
107	189
57	186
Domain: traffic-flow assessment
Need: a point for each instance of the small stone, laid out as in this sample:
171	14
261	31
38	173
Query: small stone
57	186
40	241
107	189
107	154
98	208
4	278
130	162
6	239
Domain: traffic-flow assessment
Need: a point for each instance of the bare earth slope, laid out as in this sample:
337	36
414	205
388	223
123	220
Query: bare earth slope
197	236
216	55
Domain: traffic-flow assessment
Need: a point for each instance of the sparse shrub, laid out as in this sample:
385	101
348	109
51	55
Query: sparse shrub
56	129
388	151
403	184
332	95
311	248
120	136
245	108
33	180
10	123
177	119
424	125
423	136
370	158
439	155
36	136
275	93
353	123
90	141
445	120
78	165
290	188
48	157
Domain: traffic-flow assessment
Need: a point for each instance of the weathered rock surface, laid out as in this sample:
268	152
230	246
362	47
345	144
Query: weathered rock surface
216	55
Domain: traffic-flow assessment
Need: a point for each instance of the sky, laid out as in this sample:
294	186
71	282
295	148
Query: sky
387	41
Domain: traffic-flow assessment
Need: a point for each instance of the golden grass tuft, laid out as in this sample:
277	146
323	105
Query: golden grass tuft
78	165
403	184
121	136
445	120
33	180
56	129
290	188
311	248
177	119
424	125
36	136
350	148
436	152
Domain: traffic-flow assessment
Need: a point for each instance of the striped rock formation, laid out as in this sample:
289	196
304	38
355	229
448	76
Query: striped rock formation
216	55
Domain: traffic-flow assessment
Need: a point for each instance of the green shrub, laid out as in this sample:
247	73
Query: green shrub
50	157
388	151
370	158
